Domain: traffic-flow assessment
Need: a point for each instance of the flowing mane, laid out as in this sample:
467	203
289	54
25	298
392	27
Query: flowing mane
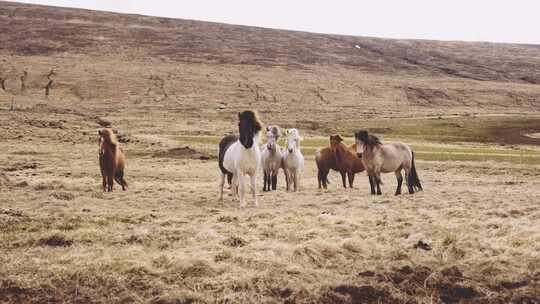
252	118
367	139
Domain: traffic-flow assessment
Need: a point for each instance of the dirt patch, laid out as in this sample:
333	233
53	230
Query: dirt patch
64	196
56	240
7	183
425	96
12	212
167	300
50	124
184	153
21	166
357	294
452	293
50	185
198	269
234	241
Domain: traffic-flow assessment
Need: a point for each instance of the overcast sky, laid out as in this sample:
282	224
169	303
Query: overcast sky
472	20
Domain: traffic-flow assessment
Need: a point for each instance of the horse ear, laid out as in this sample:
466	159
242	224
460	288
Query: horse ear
339	138
99	132
239	115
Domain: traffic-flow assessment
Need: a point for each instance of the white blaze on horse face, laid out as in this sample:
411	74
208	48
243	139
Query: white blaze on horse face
359	146
292	140
271	144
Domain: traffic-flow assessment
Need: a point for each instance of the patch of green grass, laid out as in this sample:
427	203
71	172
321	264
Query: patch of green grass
433	131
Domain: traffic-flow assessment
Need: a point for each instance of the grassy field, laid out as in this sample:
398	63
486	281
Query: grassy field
169	240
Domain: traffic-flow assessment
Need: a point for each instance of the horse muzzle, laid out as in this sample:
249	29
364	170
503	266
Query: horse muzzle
247	142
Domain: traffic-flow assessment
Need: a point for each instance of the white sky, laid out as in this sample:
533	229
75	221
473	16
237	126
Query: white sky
515	21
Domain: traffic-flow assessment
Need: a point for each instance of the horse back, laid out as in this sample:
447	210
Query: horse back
326	159
396	154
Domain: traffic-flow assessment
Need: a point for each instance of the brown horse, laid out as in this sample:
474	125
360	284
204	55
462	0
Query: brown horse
325	160
347	162
111	160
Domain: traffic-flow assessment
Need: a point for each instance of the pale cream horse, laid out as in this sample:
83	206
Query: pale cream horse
384	158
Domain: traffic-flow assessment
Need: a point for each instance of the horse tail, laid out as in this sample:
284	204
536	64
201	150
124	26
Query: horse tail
413	176
119	178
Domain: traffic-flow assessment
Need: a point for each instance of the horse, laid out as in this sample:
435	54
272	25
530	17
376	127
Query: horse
347	162
242	157
112	160
272	158
384	158
293	160
325	160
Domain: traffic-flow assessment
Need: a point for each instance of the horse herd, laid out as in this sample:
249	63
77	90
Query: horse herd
240	158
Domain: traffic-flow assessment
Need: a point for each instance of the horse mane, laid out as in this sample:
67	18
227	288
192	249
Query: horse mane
368	139
252	118
373	140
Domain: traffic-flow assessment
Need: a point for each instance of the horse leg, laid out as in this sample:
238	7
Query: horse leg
221	185
119	178
325	179
265	179
399	182
104	182
350	175
378	181
343	179
409	181
110	181
254	189
295	180
234	185
287	179
274	180
372	184
241	188
319	178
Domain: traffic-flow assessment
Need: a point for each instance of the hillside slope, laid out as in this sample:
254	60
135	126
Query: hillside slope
40	30
119	65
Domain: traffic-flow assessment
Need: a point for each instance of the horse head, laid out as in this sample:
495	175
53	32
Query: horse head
364	139
107	135
249	126
293	140
272	133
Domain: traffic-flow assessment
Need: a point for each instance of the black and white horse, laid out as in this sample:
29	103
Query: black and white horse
241	156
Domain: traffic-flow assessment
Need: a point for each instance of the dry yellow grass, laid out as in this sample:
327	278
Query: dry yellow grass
169	240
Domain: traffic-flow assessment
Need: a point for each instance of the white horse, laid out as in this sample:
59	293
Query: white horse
272	158
242	157
293	160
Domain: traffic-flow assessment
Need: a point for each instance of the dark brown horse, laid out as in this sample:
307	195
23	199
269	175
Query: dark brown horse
111	160
347	162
